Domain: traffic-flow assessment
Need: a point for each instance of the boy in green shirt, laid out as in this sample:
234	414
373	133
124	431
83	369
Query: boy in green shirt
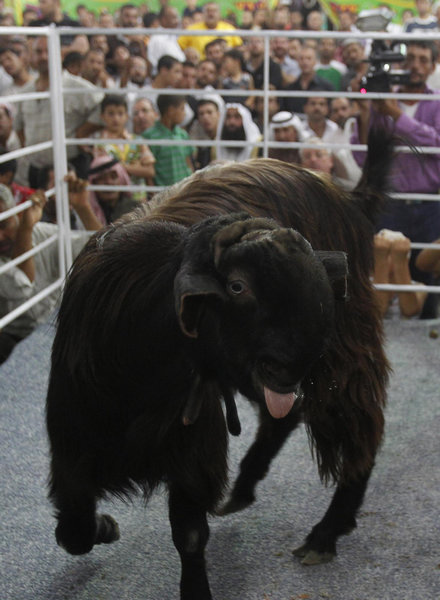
173	163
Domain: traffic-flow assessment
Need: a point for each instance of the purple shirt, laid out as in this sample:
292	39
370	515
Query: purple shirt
413	172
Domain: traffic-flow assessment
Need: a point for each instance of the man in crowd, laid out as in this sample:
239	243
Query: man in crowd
255	64
93	69
33	121
189	76
236	124
8	170
353	56
425	21
317	124
144	115
138	77
16	68
8	137
51	13
169	73
165	43
20	45
321	159
328	67
307	81
205	126
189	82
20	233
279	49
342	113
215	50
341	110
206	74
211	20
261	109
286	127
417	122
129	17
110	205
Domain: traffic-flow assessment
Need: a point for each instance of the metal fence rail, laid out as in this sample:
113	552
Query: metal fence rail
59	141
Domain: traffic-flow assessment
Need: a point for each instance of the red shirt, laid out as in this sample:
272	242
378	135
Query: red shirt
21	193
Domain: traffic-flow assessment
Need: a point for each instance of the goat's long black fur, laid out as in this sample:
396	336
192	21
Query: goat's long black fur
158	323
166	314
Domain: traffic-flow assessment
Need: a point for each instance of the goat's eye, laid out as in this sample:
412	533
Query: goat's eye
237	287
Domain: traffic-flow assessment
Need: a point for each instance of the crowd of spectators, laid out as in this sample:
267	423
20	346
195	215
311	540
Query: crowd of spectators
213	78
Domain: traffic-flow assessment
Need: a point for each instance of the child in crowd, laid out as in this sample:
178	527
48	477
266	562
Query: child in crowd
391	265
173	162
137	159
236	78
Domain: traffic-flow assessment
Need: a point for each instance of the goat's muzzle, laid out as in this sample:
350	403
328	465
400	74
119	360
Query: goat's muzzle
279	391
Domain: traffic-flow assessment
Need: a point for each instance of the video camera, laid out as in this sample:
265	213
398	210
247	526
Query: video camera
381	76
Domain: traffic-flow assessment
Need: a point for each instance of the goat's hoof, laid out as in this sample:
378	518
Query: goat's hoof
107	531
233	505
301	551
312	557
317	558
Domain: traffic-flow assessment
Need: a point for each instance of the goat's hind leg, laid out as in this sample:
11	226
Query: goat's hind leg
190	532
79	527
340	519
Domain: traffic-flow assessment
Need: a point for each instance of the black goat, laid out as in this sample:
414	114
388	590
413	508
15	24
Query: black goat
157	324
345	390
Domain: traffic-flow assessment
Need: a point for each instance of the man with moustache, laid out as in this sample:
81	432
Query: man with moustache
236	124
209	109
417	122
317	123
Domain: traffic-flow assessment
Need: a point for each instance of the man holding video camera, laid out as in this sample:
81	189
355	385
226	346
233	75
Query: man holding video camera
415	123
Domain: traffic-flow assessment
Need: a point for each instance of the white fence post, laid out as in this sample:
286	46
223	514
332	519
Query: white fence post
59	149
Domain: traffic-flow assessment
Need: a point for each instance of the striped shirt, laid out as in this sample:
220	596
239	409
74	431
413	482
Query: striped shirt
171	161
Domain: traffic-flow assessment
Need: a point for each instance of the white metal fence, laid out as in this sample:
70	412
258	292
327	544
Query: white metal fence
59	140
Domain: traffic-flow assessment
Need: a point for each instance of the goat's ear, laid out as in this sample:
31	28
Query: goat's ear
191	293
336	265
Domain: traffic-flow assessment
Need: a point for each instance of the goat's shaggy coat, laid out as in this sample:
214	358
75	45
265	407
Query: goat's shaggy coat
160	321
345	392
157	324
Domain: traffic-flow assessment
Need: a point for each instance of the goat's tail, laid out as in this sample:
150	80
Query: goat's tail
371	192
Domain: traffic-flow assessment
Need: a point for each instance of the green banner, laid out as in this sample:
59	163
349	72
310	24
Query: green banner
333	8
69	6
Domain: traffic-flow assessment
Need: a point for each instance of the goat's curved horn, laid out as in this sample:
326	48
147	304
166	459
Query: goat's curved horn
248	230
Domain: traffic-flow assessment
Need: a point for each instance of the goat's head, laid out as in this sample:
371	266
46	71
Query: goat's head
259	301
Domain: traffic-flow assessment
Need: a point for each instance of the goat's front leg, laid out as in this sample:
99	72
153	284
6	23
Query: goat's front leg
190	532
271	436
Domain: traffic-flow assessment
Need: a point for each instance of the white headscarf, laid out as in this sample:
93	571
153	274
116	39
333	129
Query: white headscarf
286	119
7	197
251	132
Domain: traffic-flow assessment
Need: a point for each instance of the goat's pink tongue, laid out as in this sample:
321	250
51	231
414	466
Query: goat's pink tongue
278	404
